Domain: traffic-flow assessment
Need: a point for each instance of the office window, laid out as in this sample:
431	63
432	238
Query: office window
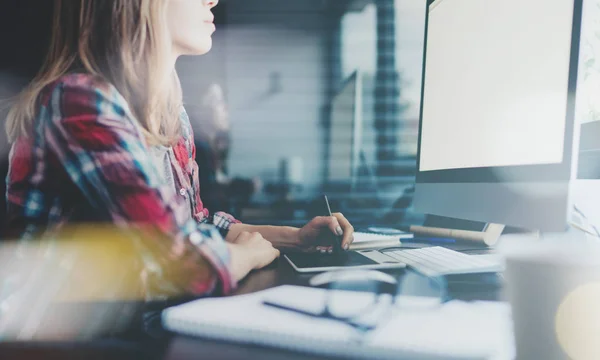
385	195
359	51
410	27
359	41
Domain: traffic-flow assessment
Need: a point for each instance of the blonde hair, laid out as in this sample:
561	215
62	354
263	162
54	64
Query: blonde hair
126	43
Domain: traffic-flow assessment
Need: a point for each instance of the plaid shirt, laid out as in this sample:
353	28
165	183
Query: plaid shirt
87	161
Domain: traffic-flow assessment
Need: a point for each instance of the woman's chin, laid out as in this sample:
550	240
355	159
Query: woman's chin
199	48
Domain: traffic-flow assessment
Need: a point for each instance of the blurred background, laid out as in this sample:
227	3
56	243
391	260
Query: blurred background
297	99
322	97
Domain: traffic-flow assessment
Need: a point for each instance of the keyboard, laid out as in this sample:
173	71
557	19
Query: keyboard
439	261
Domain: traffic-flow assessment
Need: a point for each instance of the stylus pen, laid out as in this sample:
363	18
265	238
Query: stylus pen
430	240
337	246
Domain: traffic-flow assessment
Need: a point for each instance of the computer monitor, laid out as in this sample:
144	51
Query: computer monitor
497	140
346	132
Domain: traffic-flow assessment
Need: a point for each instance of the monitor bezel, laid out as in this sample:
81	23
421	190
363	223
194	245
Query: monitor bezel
521	173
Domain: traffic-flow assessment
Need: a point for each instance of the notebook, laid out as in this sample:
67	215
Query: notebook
371	240
455	330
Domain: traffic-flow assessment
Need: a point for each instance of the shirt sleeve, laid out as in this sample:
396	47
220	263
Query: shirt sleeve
221	220
91	130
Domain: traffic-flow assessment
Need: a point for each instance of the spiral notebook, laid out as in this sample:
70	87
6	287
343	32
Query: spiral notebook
455	330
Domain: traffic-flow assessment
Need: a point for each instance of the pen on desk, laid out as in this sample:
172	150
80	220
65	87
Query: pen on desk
430	240
337	246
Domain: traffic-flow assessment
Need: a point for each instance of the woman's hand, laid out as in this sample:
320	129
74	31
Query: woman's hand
250	251
321	233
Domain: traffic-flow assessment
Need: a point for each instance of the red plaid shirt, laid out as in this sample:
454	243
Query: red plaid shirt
87	161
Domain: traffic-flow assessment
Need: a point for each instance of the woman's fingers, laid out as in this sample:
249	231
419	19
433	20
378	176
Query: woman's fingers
330	222
347	229
324	249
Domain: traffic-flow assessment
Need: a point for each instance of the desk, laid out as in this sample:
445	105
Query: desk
281	273
176	347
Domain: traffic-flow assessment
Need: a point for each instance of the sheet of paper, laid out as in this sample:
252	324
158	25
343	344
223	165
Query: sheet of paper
247	312
363	236
454	328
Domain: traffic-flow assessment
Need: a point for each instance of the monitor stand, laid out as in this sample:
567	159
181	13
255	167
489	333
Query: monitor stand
584	219
488	236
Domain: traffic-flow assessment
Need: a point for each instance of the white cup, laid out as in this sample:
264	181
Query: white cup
553	286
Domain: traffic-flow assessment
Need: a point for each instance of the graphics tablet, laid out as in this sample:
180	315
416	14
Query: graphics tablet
362	259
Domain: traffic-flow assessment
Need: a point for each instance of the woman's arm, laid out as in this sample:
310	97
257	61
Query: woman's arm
282	237
317	232
88	127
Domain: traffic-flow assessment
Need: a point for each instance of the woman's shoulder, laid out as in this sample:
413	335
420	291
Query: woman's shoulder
80	87
84	80
83	101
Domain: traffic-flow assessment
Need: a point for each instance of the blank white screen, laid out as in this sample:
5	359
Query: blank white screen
496	83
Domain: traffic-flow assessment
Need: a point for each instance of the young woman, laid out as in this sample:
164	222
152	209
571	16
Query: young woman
100	135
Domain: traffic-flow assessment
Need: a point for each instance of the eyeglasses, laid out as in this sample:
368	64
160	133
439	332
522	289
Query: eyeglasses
374	297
